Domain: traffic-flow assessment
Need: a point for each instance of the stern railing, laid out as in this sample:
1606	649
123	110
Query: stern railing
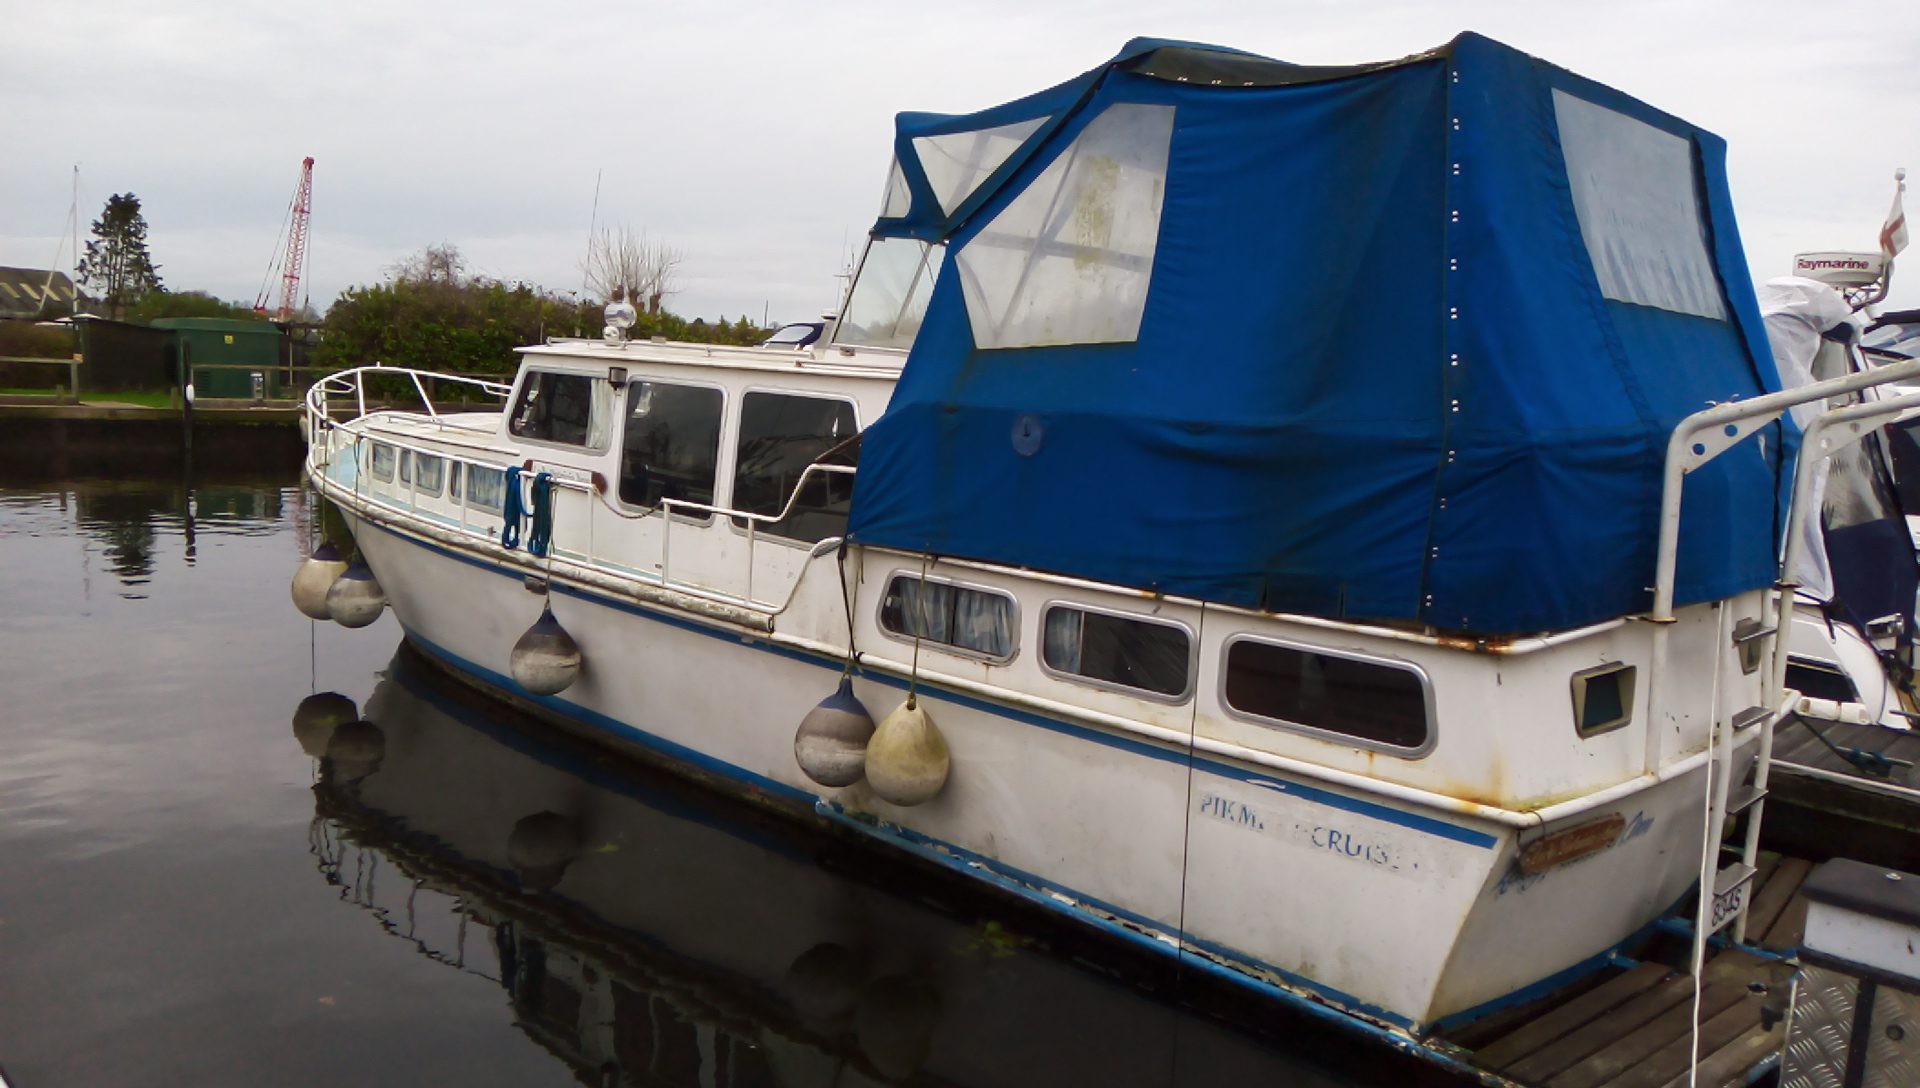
1697	440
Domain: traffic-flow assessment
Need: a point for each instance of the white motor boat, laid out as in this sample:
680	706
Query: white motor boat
1270	510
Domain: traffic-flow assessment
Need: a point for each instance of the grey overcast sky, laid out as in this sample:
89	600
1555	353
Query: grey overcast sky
755	136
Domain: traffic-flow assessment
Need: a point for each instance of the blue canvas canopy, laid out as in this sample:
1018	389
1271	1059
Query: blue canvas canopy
1399	342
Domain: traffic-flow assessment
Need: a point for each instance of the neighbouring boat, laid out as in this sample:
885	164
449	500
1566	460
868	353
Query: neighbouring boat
1851	648
1274	512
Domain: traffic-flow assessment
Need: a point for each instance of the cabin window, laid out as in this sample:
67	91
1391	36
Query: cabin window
487	488
671	449
429	467
956	163
1820	680
1069	259
570	409
453	480
1636	194
1108	650
1378	703
974	621
1602	699
890	294
383	459
431	473
780	435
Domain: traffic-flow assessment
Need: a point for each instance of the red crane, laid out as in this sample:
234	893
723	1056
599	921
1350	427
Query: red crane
292	261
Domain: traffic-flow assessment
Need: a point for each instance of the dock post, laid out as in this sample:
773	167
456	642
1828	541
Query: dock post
186	398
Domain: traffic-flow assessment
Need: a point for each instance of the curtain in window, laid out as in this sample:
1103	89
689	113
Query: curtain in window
600	416
981	622
1062	639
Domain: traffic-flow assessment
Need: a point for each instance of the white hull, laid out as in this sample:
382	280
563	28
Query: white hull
668	921
1399	913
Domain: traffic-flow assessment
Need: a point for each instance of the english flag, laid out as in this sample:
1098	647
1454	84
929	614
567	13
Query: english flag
1893	236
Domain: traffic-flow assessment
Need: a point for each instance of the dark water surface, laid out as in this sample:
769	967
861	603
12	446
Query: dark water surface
202	884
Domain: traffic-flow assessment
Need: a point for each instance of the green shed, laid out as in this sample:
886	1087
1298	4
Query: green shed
237	349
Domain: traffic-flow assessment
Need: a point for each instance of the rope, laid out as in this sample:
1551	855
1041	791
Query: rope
846	598
542	534
926	621
1186	844
512	512
1710	840
1868	762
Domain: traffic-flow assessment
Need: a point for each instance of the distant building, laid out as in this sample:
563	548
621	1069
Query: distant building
28	292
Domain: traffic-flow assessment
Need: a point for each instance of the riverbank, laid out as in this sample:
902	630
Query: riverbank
84	439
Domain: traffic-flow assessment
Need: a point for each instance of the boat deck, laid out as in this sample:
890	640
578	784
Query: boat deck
1631	1026
1851	789
1826	746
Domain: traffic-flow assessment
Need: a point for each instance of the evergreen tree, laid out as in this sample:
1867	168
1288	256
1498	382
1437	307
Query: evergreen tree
117	266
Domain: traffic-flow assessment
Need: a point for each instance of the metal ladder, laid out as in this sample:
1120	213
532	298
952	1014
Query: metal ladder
1697	440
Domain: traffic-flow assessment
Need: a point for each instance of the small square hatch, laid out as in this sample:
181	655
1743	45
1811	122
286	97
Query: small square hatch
1602	698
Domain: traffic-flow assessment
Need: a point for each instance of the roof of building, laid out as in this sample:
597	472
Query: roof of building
24	291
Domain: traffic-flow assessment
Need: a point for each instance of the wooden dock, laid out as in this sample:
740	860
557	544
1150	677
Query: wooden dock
1631	1026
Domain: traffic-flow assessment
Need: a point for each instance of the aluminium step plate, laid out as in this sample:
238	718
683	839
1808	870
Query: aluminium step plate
1816	1055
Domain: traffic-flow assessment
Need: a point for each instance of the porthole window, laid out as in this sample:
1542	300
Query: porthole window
978	622
383	459
1380	704
1126	652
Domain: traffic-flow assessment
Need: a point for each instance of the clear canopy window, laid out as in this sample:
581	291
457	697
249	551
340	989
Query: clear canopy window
890	294
956	164
1069	260
898	200
1637	196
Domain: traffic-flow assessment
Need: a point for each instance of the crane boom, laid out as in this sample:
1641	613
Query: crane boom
296	261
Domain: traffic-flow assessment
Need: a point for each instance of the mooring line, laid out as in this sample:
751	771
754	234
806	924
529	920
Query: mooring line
1186	853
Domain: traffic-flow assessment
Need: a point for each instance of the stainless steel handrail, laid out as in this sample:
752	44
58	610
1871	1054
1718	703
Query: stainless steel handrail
353	383
591	490
1697	440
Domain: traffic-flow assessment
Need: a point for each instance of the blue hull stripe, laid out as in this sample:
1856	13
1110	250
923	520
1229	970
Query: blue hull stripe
1359	806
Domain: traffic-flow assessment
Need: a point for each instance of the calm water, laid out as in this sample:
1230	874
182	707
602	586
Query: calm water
201	882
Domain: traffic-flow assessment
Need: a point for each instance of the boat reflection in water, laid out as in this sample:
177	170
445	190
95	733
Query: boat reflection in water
646	933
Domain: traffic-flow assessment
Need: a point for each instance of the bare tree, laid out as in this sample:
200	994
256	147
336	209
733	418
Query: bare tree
626	258
435	264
